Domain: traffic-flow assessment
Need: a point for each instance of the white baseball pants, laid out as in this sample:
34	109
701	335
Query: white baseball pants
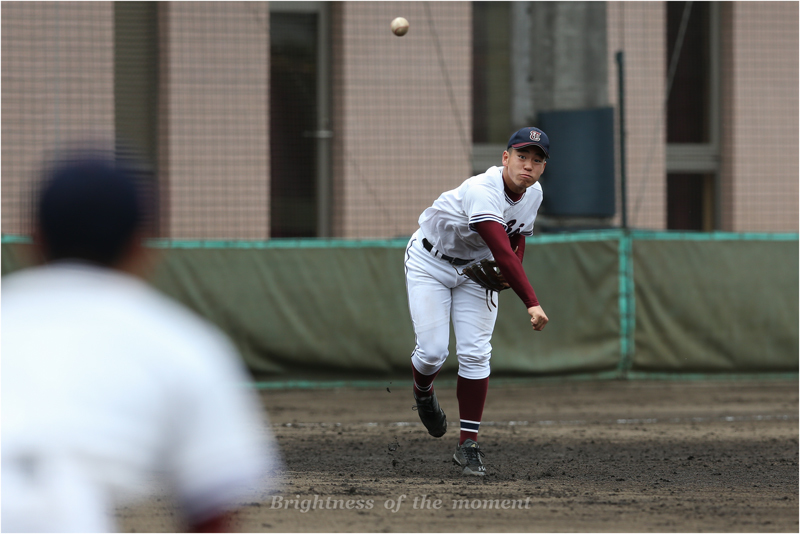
437	292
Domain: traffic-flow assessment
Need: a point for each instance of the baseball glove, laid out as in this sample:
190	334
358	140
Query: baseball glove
486	274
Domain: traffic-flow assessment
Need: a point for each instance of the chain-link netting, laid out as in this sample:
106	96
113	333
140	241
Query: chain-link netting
311	119
712	113
402	113
57	90
760	116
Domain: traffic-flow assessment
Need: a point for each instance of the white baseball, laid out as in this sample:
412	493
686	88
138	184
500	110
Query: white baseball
399	26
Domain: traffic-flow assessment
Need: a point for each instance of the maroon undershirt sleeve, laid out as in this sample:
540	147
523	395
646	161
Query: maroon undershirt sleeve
217	523
510	264
518	245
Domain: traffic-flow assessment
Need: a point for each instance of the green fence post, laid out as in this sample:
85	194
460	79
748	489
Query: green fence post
626	304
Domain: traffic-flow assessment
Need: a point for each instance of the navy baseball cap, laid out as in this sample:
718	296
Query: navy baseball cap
89	208
530	136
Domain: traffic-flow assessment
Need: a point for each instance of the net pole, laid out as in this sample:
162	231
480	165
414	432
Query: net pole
620	56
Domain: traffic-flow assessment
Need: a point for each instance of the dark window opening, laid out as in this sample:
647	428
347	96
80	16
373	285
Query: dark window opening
688	103
293	121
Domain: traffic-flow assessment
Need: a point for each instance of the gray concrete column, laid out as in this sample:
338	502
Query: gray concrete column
559	54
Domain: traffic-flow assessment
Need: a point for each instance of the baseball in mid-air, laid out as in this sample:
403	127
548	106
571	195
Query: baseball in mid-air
399	26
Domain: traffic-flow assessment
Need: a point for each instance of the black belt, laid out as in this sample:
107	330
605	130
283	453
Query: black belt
445	257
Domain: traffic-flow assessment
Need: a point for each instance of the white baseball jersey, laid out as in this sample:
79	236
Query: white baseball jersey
106	383
449	223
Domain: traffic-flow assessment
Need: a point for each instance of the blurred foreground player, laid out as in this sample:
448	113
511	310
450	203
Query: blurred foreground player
107	384
487	217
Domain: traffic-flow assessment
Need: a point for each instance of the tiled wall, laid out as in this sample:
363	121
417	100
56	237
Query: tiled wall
759	172
57	92
638	28
215	126
402	118
760	119
401	110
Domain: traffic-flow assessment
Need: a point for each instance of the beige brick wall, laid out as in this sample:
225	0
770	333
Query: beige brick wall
639	28
57	92
399	137
759	167
759	172
401	113
216	119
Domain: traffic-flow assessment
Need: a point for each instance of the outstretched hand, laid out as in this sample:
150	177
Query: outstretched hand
538	318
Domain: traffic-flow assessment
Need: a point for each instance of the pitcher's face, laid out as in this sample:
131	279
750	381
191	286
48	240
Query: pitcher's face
523	167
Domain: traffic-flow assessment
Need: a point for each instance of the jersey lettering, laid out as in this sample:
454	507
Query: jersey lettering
510	230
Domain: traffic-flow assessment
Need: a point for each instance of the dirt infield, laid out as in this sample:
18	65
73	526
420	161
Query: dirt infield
569	457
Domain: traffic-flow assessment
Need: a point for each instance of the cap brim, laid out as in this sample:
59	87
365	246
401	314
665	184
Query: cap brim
523	145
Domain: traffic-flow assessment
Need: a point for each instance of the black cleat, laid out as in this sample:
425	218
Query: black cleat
468	455
431	415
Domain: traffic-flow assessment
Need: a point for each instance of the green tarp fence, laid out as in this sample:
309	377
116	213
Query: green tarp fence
621	304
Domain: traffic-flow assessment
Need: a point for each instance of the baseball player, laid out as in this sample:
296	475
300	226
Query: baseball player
107	383
486	218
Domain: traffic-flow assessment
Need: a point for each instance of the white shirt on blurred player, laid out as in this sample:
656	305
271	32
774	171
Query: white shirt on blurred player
105	382
448	223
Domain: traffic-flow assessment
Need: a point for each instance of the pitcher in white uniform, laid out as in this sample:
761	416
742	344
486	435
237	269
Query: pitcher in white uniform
487	217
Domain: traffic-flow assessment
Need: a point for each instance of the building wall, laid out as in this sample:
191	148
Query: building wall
760	116
759	112
401	110
215	122
402	118
57	92
639	28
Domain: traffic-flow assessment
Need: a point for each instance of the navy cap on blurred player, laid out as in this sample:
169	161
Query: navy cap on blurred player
530	136
90	208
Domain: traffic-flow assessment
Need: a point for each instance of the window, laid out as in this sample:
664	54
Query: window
692	116
293	115
299	117
687	196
